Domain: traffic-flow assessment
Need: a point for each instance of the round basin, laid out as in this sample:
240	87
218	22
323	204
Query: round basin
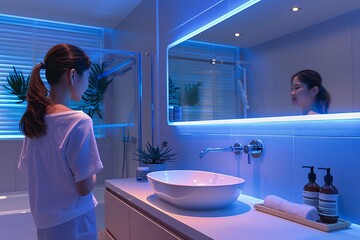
196	190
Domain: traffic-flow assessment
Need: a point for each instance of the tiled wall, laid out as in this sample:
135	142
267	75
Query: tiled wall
287	147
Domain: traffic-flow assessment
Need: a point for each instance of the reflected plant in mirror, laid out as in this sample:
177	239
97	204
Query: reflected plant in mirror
182	98
191	94
253	80
174	94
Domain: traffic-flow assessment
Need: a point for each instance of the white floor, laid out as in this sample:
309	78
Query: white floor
17	226
20	226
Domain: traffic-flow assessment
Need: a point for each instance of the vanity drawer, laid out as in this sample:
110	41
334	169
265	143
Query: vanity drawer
125	222
142	227
117	217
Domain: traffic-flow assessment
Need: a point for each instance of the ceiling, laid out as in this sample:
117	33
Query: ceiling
99	13
268	20
262	22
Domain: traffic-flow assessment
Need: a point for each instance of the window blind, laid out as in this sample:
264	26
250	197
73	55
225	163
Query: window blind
23	44
222	79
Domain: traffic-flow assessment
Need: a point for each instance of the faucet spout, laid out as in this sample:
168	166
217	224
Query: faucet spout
206	150
237	148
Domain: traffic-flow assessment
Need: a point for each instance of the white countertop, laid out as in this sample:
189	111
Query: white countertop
238	221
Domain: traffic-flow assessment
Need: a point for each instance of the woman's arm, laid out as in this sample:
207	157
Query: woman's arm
84	187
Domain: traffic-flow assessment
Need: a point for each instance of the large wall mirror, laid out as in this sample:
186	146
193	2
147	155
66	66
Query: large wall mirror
218	74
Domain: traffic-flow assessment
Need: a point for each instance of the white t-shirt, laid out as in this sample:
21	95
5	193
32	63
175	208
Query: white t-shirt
67	154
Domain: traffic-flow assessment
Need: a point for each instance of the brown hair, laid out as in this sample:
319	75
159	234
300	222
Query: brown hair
313	79
58	60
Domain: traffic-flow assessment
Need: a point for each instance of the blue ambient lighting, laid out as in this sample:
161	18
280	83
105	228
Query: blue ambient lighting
114	125
318	117
315	117
17	19
216	21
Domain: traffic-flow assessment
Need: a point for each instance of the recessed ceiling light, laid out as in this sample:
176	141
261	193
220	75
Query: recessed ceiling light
295	9
237	34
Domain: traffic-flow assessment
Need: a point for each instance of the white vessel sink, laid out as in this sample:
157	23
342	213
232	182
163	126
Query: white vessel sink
196	190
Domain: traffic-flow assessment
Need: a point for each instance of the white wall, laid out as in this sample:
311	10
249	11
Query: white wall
137	33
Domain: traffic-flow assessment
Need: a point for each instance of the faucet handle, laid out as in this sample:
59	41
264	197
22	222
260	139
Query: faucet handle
237	149
254	149
248	150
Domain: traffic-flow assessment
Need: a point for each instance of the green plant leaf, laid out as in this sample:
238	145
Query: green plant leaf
93	96
174	93
191	93
155	154
18	85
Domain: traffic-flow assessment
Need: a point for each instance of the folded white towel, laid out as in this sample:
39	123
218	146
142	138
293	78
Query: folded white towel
300	210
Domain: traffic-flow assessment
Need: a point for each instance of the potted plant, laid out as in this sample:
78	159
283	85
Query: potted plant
18	85
98	83
155	157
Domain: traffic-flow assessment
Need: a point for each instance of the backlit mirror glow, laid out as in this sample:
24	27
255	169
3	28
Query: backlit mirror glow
216	76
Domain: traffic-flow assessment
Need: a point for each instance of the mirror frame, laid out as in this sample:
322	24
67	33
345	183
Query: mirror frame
334	116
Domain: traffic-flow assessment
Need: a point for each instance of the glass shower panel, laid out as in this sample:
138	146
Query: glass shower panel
117	119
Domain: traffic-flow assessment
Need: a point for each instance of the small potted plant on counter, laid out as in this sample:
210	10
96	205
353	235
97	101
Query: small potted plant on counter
155	157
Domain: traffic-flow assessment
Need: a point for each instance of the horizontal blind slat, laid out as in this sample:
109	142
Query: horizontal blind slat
23	43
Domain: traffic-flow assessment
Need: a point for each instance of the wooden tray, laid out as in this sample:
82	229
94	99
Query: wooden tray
327	227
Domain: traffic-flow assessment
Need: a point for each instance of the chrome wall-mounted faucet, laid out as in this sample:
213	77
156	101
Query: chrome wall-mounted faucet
254	149
236	149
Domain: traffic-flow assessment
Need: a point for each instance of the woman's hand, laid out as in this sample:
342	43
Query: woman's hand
85	186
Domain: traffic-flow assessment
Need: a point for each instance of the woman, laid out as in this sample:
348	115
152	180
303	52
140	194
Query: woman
59	153
308	92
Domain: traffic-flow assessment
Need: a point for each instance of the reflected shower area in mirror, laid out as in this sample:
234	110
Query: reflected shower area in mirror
248	76
213	85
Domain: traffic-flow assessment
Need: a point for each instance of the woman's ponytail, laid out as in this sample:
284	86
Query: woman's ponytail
323	100
32	123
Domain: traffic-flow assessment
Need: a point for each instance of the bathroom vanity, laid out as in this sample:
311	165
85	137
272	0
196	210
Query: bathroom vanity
132	211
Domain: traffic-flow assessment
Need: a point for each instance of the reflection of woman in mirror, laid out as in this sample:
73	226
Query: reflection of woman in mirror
308	92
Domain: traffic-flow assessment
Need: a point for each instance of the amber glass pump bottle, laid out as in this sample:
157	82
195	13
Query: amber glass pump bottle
311	189
328	200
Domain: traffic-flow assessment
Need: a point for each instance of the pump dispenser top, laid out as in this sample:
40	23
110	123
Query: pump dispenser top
311	175
328	178
328	197
311	189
